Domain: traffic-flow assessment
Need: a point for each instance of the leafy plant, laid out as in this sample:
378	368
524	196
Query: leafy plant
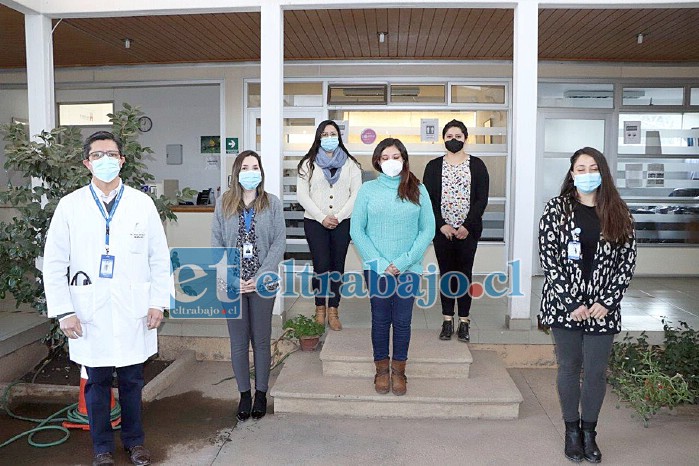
649	377
302	326
53	163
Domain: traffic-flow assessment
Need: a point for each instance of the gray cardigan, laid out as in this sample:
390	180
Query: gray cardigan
270	231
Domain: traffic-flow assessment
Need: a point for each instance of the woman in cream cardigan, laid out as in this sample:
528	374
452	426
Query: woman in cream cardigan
327	185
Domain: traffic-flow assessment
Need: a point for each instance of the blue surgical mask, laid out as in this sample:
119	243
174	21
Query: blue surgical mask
105	169
587	182
250	179
330	143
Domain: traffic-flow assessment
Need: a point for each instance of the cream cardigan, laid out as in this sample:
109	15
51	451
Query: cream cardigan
319	199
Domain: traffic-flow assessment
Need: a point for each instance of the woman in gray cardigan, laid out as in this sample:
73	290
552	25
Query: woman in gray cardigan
252	220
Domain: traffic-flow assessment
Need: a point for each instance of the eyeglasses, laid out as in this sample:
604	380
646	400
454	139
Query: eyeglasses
99	154
328	135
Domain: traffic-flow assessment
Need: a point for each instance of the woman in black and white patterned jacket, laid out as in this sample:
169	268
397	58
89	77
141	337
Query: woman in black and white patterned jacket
587	249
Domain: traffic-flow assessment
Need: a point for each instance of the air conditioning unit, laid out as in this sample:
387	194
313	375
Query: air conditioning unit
367	91
404	91
628	94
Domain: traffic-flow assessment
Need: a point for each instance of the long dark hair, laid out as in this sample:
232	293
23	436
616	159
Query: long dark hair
232	200
615	219
409	187
313	151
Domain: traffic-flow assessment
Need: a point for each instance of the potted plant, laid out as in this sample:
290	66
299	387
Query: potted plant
307	330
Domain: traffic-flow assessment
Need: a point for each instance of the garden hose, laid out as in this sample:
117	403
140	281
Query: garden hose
72	415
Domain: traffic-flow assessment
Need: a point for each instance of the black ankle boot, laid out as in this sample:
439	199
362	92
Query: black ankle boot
462	333
573	442
244	406
447	330
259	408
590	449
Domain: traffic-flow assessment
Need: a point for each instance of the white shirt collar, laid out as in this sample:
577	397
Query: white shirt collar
106	197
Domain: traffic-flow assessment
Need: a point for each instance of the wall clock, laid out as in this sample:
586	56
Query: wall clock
145	124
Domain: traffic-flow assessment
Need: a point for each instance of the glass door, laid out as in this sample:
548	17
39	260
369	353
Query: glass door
299	132
559	135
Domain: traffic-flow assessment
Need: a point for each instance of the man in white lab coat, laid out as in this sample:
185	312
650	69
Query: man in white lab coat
107	278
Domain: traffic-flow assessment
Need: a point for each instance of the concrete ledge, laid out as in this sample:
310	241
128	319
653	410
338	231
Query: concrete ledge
167	377
521	356
22	360
25	337
205	348
518	324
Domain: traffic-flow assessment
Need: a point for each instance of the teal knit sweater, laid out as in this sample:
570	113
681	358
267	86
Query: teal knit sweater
387	230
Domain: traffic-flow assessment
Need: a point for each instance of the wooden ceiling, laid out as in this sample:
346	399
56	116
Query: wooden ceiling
418	33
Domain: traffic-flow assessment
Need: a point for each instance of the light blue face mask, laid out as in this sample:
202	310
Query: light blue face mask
105	169
587	182
330	143
250	179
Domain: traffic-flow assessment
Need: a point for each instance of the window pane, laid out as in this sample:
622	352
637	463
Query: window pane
660	133
568	135
667	222
653	96
357	94
303	94
474	94
694	96
85	114
253	95
420	93
576	95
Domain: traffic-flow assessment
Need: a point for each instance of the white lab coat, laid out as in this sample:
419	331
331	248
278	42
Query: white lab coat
113	311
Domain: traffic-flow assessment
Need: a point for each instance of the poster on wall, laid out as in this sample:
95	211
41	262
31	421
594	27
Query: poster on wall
212	162
344	126
633	174
632	132
210	144
428	129
656	175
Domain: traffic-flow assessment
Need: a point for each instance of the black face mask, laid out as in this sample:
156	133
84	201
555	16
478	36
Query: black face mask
454	145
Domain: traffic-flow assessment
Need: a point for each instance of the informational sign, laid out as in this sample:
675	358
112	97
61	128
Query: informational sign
344	126
231	145
633	175
632	132
428	129
368	136
656	175
212	162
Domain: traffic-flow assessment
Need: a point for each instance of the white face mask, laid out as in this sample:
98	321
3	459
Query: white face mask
392	167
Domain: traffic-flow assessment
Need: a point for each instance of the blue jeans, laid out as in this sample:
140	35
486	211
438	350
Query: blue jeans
391	305
98	391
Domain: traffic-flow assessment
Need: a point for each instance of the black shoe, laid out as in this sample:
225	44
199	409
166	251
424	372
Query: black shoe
447	330
573	447
138	455
103	459
244	406
590	449
462	334
259	408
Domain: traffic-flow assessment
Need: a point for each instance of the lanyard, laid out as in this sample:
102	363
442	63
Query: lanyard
248	215
107	218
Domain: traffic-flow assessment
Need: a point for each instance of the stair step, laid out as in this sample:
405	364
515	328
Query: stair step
348	354
489	392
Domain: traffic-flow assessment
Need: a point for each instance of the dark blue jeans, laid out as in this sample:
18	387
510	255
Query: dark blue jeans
392	300
97	397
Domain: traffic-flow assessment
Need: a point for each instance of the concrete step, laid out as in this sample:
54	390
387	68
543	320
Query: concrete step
489	392
348	354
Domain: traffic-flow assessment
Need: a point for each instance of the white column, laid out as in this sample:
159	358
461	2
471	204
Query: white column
522	205
40	84
271	107
271	89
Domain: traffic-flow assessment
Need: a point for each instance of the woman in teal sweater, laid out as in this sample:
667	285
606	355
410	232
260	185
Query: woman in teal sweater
392	225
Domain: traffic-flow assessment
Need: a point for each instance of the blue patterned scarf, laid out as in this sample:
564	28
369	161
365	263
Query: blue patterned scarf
326	162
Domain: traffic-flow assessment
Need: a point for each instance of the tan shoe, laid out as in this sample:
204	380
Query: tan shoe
333	319
382	378
398	378
320	315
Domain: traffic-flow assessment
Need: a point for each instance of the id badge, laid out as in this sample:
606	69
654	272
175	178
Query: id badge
247	251
107	266
574	250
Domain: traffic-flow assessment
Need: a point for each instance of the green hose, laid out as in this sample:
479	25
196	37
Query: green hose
72	415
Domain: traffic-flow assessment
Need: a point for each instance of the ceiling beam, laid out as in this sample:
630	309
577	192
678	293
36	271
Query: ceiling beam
27	7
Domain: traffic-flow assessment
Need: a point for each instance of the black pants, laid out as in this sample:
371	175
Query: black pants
328	251
455	255
576	351
98	391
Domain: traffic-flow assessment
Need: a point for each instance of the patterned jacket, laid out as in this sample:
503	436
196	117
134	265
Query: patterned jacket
564	288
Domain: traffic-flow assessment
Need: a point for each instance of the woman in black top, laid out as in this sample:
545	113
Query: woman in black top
458	186
587	249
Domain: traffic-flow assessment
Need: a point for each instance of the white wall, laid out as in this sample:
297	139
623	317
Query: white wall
13	103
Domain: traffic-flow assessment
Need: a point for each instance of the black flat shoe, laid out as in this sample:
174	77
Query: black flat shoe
259	408
244	406
462	334
447	330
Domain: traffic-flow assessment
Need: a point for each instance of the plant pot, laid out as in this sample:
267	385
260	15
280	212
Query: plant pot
309	343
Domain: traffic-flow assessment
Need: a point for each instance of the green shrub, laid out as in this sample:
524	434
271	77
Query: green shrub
302	326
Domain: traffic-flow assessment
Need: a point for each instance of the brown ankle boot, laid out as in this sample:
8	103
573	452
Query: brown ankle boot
382	378
334	319
398	378
320	315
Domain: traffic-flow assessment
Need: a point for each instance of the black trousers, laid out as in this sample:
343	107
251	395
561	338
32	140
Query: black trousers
455	255
328	251
98	391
